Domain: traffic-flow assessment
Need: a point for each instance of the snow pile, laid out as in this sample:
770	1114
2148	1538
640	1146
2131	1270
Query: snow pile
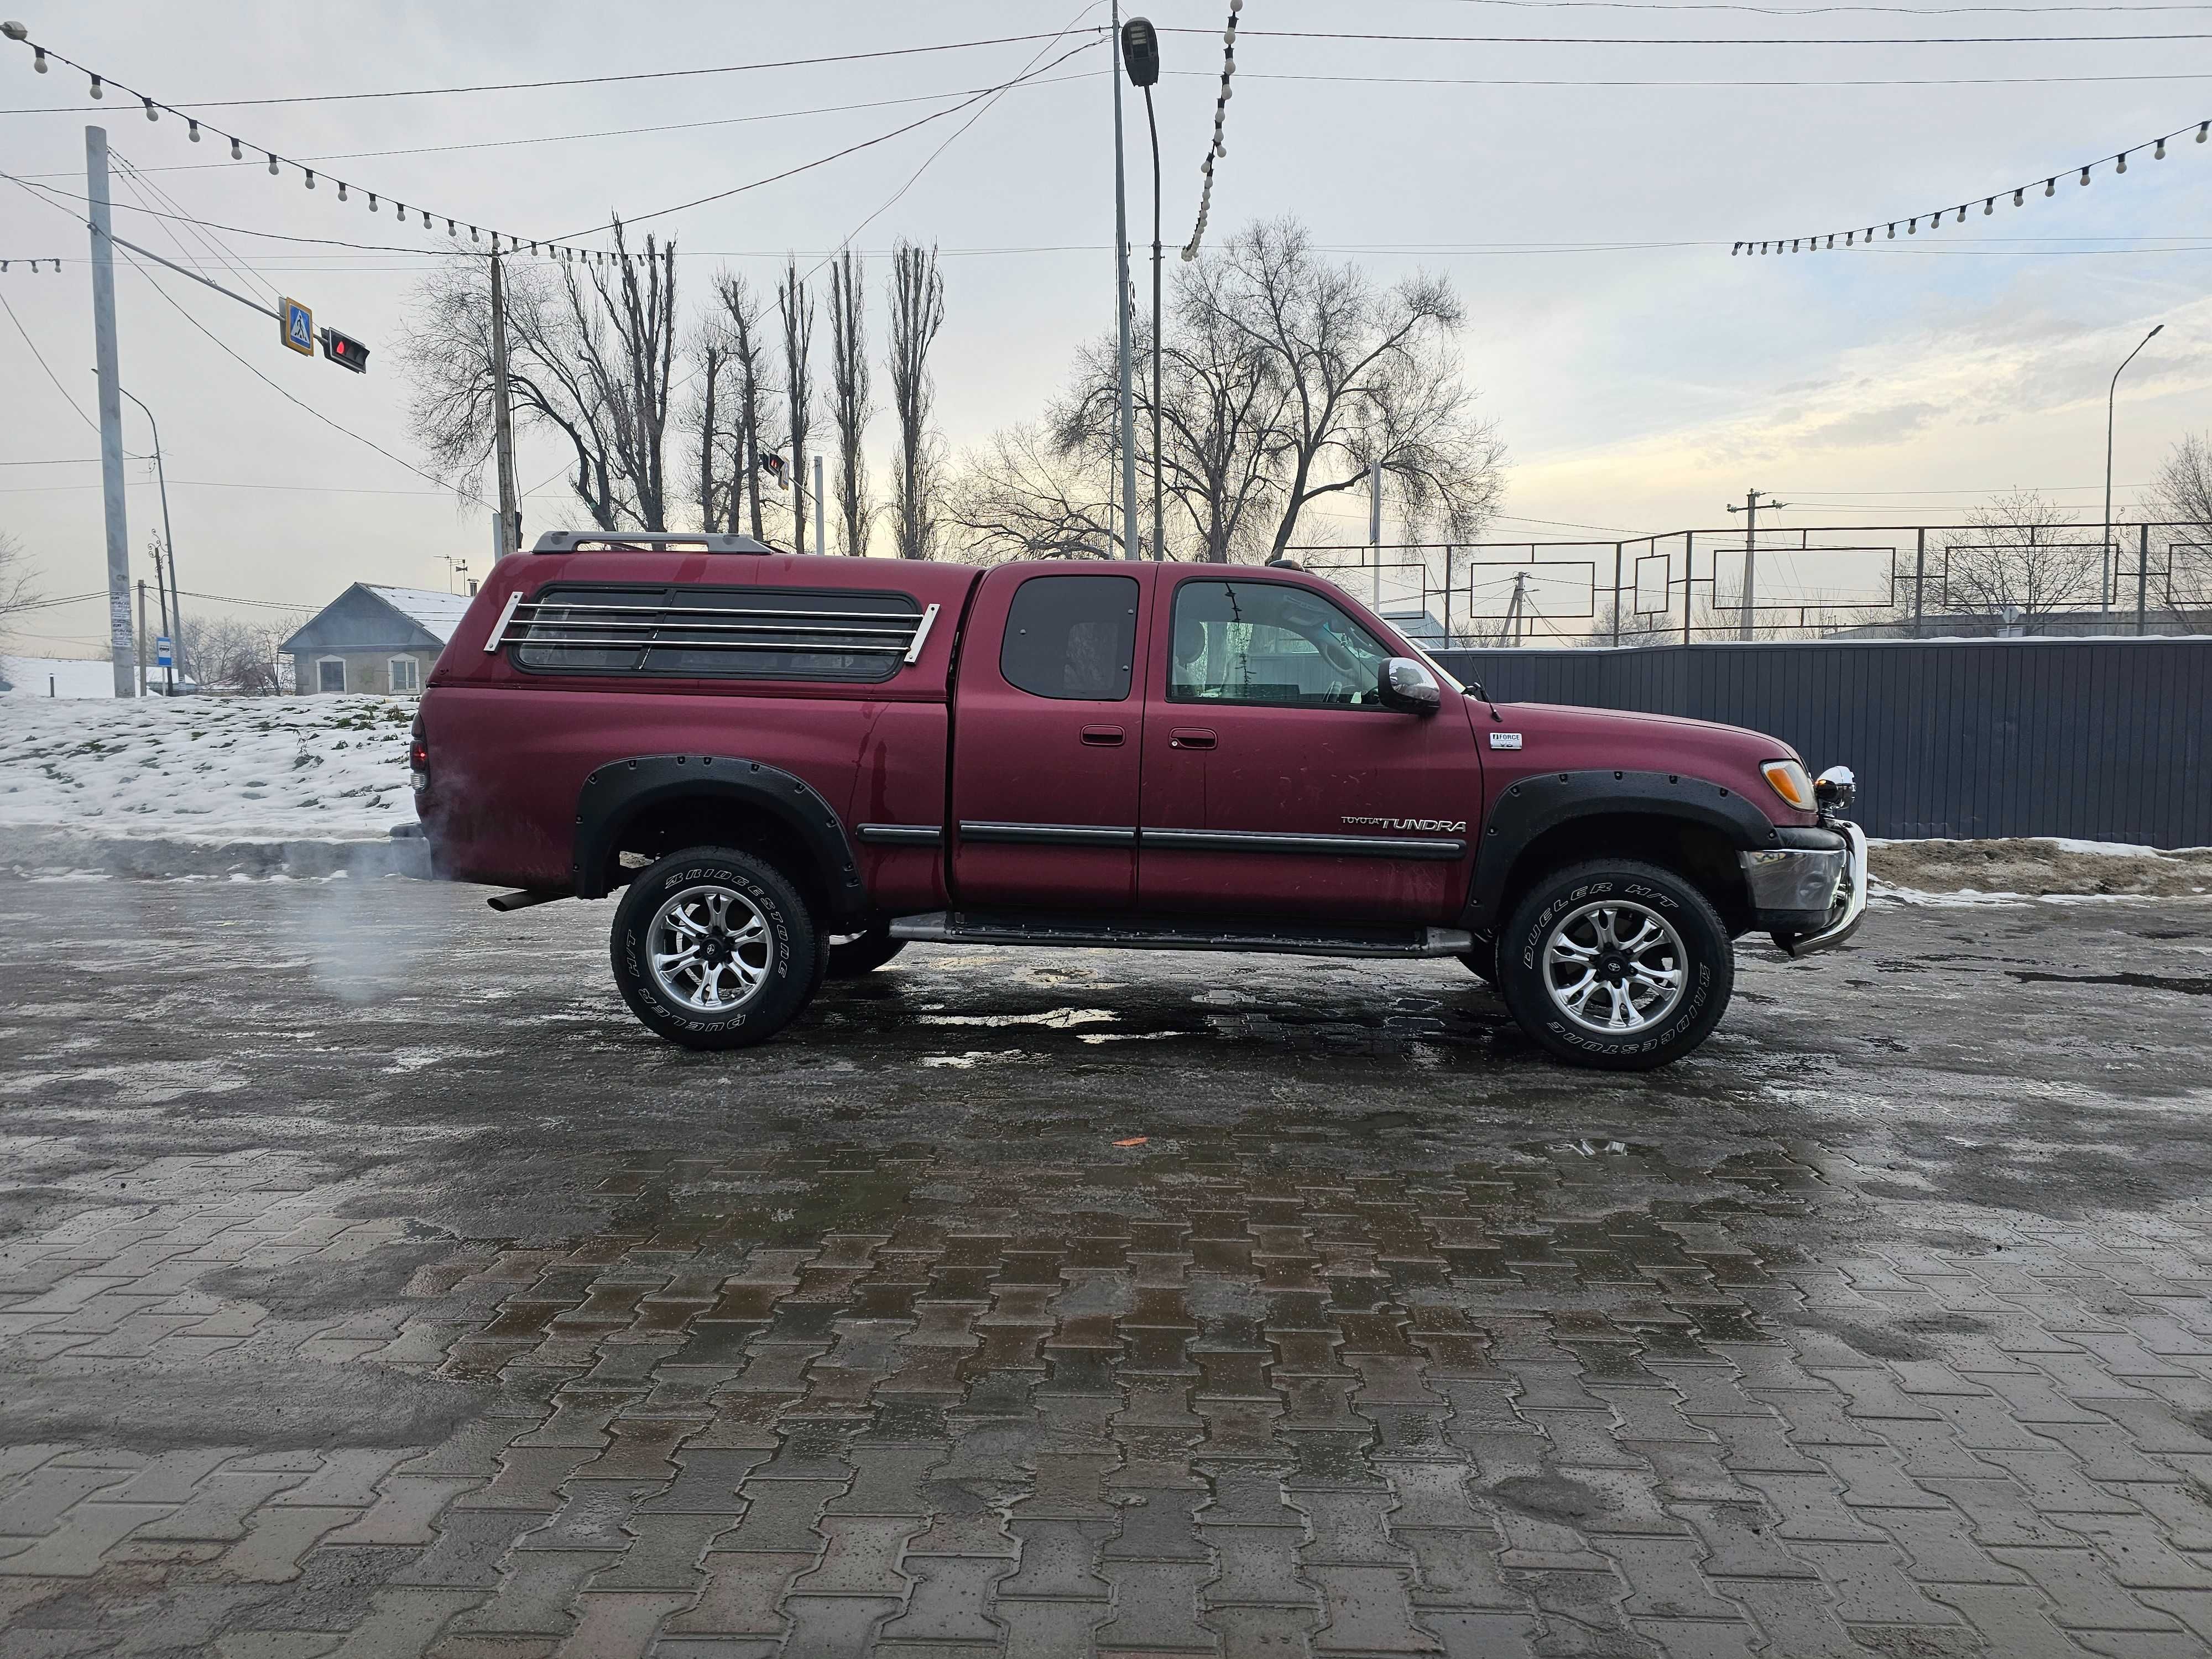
69	676
1915	871
206	768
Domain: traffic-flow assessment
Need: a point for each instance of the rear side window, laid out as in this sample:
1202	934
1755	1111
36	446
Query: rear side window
1072	637
716	633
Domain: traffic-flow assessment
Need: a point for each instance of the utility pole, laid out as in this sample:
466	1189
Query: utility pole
111	408
1516	609
1128	422
1750	511
169	541
502	419
161	592
142	636
820	517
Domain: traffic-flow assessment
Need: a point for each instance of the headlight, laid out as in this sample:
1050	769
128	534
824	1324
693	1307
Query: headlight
1788	780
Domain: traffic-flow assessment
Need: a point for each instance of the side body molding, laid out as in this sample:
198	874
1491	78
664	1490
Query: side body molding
1535	804
615	795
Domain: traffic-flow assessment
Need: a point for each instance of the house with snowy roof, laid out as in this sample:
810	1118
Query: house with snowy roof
377	640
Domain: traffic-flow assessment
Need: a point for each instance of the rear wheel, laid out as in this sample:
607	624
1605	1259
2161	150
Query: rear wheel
1616	965
852	955
714	949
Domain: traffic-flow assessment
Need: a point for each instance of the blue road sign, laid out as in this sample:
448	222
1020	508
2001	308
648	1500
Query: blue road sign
161	649
299	327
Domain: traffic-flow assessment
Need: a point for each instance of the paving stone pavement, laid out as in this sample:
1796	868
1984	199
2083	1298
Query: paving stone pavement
1396	1342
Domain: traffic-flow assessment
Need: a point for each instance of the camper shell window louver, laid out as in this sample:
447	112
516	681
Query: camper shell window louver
715	633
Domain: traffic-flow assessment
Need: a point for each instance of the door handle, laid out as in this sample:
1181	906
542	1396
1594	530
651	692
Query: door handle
1102	737
1190	737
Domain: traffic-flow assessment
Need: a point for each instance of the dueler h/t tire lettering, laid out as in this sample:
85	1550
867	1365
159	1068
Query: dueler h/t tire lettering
1616	965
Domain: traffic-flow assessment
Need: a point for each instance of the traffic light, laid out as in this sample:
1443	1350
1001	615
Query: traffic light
777	468
345	351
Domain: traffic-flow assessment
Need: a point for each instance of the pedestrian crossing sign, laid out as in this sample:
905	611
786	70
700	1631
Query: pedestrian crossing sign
298	327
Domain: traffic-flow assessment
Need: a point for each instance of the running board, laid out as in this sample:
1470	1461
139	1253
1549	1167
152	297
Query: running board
943	928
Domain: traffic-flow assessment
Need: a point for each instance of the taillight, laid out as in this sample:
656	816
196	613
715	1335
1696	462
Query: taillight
418	756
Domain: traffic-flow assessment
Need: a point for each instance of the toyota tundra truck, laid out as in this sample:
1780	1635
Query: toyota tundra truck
788	768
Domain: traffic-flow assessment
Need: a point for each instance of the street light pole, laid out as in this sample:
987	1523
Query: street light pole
1128	412
168	540
1140	55
2111	396
502	418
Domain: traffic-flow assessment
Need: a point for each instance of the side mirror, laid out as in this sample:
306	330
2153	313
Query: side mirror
1408	687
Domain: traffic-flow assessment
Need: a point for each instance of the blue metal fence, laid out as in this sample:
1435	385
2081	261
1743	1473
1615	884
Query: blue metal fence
2102	739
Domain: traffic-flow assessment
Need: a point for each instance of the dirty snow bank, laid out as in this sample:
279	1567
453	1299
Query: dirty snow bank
2037	868
206	768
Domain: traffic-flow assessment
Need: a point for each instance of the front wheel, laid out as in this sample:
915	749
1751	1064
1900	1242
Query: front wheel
714	949
1616	965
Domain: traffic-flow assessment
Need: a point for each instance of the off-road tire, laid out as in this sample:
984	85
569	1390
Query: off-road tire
794	969
1709	968
863	953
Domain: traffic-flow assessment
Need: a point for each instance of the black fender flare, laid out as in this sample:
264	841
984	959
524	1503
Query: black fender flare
614	795
1536	804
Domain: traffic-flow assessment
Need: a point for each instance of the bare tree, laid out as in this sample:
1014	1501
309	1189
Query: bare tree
2181	496
592	361
18	590
633	380
1283	378
1221	406
1019	498
917	296
1368	377
746	341
710	357
230	655
796	307
2023	558
848	397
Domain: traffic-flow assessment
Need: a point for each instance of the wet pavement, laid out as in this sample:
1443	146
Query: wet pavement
371	1284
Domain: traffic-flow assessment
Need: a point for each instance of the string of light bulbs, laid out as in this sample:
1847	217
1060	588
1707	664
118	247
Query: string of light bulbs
34	264
1219	149
562	248
1853	237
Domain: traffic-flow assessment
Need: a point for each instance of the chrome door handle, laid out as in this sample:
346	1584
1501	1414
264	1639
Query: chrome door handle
1190	737
1102	737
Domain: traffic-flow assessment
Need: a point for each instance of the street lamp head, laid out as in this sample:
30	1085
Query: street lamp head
2155	332
1140	52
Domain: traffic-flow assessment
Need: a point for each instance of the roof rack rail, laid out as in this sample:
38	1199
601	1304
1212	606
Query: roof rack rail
639	541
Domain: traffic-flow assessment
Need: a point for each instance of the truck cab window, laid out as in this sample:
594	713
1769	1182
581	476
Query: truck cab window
1072	637
1269	642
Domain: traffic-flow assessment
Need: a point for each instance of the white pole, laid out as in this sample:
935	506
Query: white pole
119	644
817	505
1122	310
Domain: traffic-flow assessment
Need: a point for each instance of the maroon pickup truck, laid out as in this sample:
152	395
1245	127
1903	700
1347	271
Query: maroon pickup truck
791	766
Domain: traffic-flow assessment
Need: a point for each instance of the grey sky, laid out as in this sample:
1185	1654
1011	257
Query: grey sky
1639	375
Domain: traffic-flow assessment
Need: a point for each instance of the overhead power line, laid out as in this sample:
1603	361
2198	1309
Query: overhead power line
540	86
1707	40
582	138
1732	82
1826	240
75	407
563	248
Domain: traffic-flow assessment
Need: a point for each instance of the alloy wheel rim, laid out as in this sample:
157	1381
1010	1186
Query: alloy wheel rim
709	949
1615	968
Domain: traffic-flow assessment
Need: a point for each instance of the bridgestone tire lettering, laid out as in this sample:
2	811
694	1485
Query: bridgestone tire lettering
794	971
